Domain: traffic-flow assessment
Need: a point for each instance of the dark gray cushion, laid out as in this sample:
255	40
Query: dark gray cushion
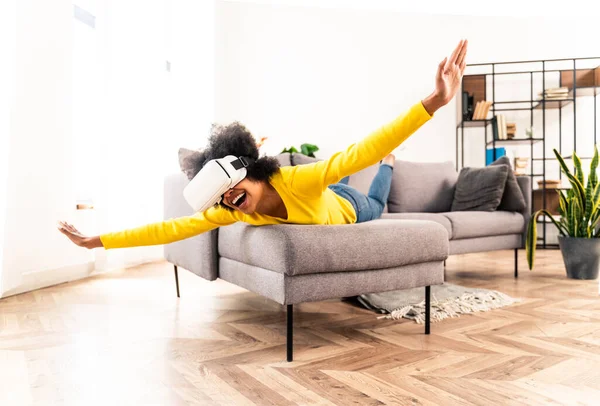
472	224
301	159
480	189
308	249
189	160
512	199
422	187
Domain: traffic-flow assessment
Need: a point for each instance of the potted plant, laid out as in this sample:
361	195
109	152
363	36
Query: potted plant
305	149
578	225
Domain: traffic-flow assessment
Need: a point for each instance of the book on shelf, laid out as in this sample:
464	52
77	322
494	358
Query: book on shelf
482	108
489	154
499	127
555	93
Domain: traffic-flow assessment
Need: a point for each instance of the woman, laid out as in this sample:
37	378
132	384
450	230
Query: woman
304	194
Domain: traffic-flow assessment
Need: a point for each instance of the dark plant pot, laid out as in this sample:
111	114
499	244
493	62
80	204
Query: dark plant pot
581	256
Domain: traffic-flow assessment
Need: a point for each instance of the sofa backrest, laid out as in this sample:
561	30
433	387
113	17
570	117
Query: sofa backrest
285	159
416	186
422	187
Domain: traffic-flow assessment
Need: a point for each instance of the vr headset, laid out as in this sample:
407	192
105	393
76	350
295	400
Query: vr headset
216	177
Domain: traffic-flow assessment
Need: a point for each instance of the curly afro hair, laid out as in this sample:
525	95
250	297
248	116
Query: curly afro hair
235	139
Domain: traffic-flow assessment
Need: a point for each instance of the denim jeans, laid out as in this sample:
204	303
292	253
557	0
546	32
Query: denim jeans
371	206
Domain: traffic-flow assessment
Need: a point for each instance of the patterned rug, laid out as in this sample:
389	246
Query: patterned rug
447	301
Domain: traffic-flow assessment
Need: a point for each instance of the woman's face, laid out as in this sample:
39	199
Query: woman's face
245	196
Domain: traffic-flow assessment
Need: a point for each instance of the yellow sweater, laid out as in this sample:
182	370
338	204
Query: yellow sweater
302	188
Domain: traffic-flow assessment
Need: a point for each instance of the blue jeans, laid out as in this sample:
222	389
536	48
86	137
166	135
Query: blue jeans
371	206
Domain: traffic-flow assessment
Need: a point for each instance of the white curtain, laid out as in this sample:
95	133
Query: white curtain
156	63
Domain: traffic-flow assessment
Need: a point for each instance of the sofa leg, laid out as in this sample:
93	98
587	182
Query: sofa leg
516	262
290	335
176	279
427	309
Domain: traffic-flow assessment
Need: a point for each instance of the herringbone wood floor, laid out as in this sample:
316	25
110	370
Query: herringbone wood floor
125	339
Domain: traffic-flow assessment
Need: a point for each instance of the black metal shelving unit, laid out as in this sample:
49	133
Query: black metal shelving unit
580	75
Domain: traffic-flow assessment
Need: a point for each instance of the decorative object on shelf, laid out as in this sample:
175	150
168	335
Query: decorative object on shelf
511	130
521	165
467	106
579	210
552	203
305	149
556	93
549	184
529	132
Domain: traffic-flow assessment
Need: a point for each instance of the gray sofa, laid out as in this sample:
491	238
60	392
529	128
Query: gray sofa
293	264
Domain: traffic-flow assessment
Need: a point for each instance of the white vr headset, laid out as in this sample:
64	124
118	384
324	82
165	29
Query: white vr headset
216	177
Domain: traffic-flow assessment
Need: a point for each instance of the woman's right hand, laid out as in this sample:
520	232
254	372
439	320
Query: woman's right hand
78	238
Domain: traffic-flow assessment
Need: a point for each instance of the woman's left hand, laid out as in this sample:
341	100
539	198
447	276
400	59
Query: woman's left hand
448	78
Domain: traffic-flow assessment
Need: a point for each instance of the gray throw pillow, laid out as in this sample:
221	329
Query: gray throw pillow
513	199
480	189
189	160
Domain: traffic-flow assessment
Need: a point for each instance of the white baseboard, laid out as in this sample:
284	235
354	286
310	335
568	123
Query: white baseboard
43	279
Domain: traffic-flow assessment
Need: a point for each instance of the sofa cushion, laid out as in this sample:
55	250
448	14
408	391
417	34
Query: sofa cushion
480	189
512	199
309	249
422	187
189	161
301	159
284	159
438	218
471	224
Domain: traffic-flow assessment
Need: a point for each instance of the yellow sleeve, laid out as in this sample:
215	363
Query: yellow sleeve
169	231
306	179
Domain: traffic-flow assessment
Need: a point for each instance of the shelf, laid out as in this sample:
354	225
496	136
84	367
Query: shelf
566	158
515	141
550	104
474	123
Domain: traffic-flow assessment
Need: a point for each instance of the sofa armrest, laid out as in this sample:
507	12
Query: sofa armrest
197	254
525	185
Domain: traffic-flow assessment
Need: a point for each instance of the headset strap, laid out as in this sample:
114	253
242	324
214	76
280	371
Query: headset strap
242	162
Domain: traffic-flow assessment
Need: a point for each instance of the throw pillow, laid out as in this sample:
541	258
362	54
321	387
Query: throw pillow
480	189
189	160
513	199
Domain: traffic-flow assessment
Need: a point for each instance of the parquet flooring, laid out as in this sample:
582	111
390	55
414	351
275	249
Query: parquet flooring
123	338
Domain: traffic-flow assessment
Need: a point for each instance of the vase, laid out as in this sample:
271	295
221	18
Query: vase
581	256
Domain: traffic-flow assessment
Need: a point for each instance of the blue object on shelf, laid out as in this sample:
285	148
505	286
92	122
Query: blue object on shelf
489	154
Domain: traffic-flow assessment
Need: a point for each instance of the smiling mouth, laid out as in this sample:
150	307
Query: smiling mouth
239	199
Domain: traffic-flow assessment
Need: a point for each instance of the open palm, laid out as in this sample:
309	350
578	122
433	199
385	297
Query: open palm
450	72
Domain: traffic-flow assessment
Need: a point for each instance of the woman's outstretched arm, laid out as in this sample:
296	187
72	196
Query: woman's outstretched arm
163	232
315	177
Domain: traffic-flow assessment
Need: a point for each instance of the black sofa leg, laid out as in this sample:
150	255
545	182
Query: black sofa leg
290	335
176	280
516	262
427	309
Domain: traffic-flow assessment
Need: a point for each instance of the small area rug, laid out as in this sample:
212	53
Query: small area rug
447	301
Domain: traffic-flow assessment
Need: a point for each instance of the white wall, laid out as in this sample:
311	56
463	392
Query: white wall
7	75
299	74
39	165
125	144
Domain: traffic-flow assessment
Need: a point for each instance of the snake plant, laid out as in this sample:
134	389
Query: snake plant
579	207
